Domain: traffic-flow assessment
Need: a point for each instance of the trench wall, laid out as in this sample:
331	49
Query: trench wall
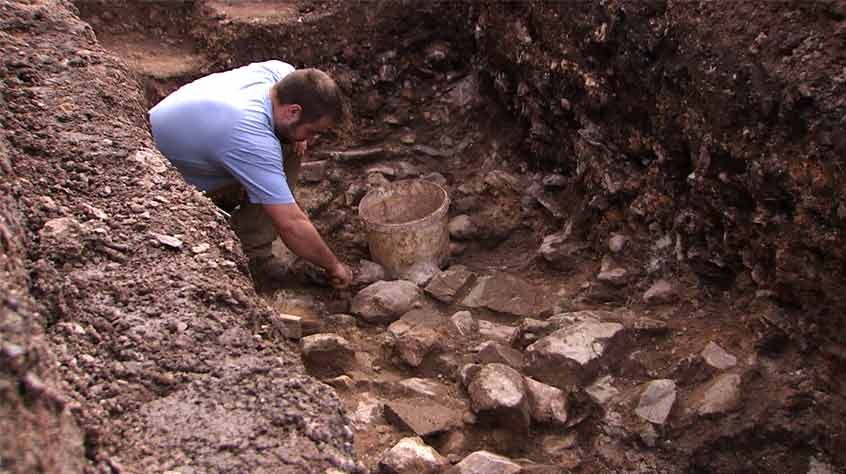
717	124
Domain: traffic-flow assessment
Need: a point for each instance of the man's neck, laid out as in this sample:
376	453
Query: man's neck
274	110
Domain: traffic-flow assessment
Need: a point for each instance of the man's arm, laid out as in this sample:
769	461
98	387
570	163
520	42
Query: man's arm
299	234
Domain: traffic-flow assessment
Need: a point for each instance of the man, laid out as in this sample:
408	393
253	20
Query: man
224	133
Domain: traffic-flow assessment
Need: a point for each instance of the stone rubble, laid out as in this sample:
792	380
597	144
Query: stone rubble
412	456
461	227
505	294
327	355
720	395
385	301
464	323
499	391
571	356
494	352
445	285
423	416
368	411
547	404
656	401
717	357
561	250
413	345
496	332
368	272
485	462
661	292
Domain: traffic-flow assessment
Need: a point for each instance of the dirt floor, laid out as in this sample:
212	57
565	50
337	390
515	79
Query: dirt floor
596	149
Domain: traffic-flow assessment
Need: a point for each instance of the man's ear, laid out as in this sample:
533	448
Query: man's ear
293	112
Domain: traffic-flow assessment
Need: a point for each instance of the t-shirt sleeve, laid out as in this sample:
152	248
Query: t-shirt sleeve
258	167
278	69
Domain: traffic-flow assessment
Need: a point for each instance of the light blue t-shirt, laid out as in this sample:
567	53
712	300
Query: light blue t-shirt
219	131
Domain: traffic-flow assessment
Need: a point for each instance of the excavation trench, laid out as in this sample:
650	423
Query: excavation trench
605	306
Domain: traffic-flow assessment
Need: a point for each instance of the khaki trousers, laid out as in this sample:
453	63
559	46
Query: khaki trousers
249	221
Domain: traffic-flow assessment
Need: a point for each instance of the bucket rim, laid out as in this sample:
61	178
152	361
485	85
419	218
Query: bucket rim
380	226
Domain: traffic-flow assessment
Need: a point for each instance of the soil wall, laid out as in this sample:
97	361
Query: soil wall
126	309
718	124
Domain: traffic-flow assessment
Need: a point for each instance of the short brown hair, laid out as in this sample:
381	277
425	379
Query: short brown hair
314	91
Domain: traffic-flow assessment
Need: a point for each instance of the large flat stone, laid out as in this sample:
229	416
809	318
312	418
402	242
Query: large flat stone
547	403
412	456
571	356
717	357
327	355
505	294
497	391
416	343
385	301
718	396
656	401
422	415
496	332
484	462
445	285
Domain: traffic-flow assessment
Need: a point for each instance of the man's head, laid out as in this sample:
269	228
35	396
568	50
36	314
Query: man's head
305	103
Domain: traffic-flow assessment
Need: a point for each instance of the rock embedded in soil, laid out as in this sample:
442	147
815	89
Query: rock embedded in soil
561	250
461	227
498	391
445	285
385	301
368	272
327	355
602	390
468	372
718	396
423	416
656	401
571	356
424	387
420	273
457	248
547	404
530	330
497	332
288	325
414	344
167	240
494	352
661	292
563	449
617	242
485	462
615	276
314	171
505	294
368	411
464	323
411	456
717	357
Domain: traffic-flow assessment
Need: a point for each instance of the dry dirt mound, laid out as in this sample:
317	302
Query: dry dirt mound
127	278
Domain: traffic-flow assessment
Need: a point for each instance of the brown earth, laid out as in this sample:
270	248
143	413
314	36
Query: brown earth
710	133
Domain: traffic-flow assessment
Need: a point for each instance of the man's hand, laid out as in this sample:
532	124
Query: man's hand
300	148
340	275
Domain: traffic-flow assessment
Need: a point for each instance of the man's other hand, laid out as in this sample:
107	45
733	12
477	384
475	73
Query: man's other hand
340	275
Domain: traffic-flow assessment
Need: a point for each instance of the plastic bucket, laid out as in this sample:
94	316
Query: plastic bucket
406	223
